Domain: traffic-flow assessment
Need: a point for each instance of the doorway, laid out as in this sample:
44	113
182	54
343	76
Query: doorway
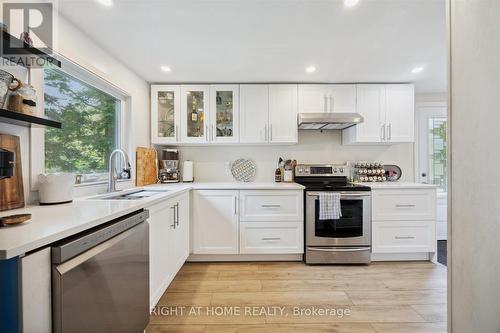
432	163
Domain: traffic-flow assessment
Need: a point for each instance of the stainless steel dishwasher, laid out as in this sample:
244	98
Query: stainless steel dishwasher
100	279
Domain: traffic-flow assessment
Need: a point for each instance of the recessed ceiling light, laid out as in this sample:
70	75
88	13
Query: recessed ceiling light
166	69
310	69
417	69
106	3
350	3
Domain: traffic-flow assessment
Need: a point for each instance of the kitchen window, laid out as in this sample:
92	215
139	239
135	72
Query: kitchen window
91	119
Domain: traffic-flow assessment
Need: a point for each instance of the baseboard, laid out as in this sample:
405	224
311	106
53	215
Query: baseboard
400	256
244	257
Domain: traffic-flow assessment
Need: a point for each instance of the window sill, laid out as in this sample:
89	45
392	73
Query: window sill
101	182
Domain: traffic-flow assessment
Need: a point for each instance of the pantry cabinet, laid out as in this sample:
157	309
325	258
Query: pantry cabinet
268	113
165	114
388	112
215	222
168	242
317	98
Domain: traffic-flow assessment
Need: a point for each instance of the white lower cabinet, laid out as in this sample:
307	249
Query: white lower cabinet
270	222
404	236
168	243
215	222
403	221
271	237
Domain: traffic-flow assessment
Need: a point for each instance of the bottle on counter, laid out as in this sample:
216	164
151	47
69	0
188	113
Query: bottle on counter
277	174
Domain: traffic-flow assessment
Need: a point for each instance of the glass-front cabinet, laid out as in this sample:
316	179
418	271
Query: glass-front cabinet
224	123
195	113
165	114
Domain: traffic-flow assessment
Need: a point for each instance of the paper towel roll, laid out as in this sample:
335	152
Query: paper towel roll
187	171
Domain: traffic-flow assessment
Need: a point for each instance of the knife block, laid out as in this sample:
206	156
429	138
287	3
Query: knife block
11	187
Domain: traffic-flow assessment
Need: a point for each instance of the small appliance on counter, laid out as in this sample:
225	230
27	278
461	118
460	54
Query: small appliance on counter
11	174
55	188
188	172
169	166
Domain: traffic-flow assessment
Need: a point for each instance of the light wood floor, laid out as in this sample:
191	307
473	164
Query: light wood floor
405	297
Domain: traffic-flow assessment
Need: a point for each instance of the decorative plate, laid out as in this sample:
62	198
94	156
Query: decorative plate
243	170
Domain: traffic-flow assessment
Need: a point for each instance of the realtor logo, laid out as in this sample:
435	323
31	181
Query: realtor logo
33	24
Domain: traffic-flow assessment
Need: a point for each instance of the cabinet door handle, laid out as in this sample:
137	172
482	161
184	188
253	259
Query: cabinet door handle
382	132
270	132
235	205
389	132
173	225
265	132
270	206
404	237
326	107
271	238
332	103
206	132
177	210
214	132
405	206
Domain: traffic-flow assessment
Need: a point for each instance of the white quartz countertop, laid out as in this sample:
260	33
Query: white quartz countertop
52	223
398	185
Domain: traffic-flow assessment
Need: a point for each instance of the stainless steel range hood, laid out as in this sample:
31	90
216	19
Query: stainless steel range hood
328	121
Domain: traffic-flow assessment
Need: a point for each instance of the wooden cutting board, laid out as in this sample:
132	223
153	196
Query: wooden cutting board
11	189
147	166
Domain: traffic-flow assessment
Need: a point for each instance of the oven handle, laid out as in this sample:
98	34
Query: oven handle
357	249
343	194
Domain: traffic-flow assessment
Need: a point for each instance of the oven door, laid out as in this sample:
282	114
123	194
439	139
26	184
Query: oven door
352	229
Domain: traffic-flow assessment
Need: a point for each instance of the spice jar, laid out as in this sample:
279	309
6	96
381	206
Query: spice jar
23	100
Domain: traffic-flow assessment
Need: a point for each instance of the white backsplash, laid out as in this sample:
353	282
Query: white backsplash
211	163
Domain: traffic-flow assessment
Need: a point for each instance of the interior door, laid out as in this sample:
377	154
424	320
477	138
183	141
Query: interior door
195	113
165	114
432	165
283	113
399	112
224	112
254	113
215	222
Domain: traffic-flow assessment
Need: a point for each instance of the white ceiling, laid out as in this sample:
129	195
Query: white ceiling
271	40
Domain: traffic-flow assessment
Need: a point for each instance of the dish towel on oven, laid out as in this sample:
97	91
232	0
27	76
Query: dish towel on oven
329	206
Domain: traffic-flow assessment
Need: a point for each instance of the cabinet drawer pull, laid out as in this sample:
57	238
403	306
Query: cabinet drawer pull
404	237
175	216
404	206
270	206
271	238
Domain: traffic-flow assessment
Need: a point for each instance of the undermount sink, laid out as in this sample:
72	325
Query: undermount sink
136	195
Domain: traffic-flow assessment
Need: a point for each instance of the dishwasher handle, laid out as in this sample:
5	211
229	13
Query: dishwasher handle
74	246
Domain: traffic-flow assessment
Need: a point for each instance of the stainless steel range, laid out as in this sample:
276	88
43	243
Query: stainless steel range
346	240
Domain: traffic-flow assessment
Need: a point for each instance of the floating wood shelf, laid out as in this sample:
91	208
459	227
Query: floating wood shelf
21	119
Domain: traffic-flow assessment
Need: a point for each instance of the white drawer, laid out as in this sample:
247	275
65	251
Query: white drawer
403	237
404	204
271	205
271	237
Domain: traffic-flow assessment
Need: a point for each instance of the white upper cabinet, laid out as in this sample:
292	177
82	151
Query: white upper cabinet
165	114
399	112
254	113
268	113
316	98
388	112
224	106
195	113
283	113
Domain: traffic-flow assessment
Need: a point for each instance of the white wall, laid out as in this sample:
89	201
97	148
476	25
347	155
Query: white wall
74	45
313	147
475	156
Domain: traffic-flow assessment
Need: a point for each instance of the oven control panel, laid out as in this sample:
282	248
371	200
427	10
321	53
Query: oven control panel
321	170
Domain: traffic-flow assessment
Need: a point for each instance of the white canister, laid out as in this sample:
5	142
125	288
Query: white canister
187	171
55	188
288	176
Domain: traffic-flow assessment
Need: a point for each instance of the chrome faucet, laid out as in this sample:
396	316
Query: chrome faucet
112	171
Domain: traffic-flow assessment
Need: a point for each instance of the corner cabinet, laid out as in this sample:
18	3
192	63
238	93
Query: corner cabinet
388	112
268	113
165	114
